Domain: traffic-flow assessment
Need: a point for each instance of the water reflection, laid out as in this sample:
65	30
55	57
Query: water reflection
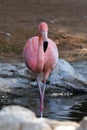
56	107
67	107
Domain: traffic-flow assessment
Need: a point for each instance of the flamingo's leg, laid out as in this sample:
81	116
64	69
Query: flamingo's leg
42	92
41	97
46	74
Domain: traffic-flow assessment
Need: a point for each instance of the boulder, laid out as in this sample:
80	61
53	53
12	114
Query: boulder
20	118
83	124
64	78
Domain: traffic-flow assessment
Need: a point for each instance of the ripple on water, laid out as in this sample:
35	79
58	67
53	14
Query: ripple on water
58	107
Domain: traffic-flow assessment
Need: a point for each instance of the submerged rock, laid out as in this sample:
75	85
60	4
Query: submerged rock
64	78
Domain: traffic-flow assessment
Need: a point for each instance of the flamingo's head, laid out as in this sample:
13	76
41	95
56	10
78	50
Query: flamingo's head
43	31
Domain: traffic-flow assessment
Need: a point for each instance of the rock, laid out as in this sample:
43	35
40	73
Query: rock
65	66
83	124
64	78
20	118
12	116
60	125
17	111
34	126
65	128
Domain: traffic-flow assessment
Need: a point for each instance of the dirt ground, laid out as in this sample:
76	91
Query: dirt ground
67	21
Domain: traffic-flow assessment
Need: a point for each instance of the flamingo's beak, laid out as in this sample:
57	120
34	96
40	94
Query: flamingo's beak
45	45
45	40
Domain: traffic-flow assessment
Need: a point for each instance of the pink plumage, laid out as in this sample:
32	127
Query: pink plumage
41	55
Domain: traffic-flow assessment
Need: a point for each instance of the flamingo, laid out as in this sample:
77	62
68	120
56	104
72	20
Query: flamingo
41	56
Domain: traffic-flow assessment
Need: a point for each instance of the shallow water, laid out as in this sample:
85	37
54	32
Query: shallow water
56	105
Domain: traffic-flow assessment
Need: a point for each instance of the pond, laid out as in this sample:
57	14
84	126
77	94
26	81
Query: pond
55	107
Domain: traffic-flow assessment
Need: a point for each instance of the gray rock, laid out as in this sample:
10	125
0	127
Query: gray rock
64	75
64	78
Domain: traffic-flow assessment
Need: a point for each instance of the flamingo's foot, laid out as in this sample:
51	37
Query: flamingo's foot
41	110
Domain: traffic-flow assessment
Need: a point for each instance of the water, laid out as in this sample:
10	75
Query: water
55	107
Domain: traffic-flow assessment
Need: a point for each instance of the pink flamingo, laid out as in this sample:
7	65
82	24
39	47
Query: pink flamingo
41	55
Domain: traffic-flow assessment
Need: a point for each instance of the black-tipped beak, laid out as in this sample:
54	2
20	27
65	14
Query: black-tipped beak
45	45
